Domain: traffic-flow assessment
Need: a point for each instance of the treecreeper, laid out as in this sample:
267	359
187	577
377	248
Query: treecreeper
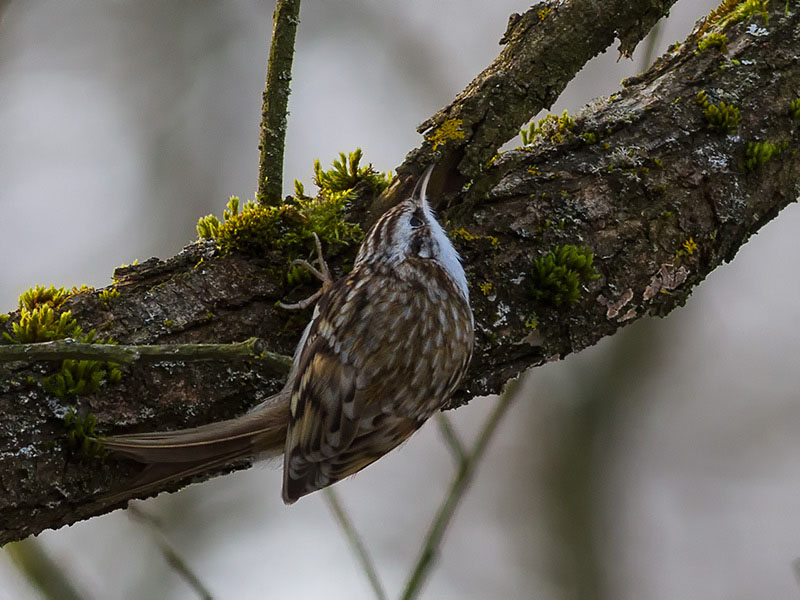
385	349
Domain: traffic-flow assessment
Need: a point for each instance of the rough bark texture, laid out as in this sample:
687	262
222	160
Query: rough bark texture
647	175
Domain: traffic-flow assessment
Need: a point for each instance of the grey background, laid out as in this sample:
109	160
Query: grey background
122	122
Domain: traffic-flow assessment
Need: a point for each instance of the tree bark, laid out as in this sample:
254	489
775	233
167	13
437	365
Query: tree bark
642	179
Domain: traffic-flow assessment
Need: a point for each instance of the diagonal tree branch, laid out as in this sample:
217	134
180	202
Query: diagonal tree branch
650	181
543	49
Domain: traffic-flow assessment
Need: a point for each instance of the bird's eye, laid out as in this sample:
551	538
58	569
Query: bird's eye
415	221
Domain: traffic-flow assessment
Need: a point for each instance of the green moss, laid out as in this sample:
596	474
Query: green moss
75	378
722	117
733	11
552	128
42	325
557	276
748	8
82	377
107	296
208	227
714	39
81	435
297	275
41	321
794	109
757	154
345	175
253	229
39	296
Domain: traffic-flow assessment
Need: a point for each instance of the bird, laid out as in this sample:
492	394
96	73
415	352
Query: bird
387	346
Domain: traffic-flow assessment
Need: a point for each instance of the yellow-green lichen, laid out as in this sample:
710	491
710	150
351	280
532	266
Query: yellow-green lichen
690	246
254	229
4	317
447	131
757	154
532	323
722	117
81	436
463	234
556	277
552	128
715	39
544	12
486	288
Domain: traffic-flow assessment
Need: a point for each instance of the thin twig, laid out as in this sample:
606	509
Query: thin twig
460	484
355	542
251	349
171	555
451	437
276	101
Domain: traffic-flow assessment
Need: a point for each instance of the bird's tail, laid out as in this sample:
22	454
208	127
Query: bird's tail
173	455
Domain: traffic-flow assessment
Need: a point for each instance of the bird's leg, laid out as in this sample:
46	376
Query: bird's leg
323	274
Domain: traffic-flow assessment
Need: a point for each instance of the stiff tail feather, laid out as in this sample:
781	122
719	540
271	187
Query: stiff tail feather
172	455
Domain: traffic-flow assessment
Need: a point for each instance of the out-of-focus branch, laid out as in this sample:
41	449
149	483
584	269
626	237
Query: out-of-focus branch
459	486
44	574
359	549
172	556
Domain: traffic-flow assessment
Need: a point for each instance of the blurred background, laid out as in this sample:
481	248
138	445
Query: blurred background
662	463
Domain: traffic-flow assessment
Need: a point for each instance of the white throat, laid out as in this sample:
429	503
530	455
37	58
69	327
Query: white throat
447	256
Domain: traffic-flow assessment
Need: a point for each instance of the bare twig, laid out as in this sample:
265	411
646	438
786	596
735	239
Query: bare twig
276	100
171	555
454	495
251	349
355	542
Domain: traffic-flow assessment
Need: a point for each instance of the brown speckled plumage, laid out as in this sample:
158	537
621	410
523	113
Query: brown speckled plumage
386	348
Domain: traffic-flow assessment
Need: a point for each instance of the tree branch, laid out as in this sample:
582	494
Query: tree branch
645	180
544	48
